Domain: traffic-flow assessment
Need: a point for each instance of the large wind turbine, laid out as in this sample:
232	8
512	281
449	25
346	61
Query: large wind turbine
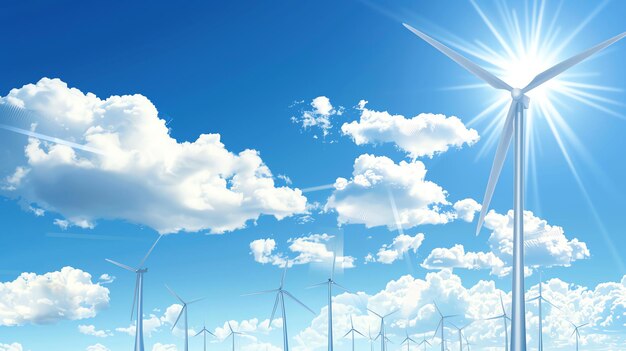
329	283
138	295
183	311
353	331
280	298
382	335
541	299
233	333
514	123
504	319
442	321
204	332
576	327
460	330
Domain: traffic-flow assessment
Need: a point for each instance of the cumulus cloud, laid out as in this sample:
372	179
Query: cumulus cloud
153	323
545	245
106	278
140	173
11	347
456	257
68	294
400	246
604	306
97	347
378	184
304	250
91	330
318	116
164	347
426	134
248	326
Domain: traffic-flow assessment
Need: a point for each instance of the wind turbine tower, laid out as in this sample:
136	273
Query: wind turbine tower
232	334
138	295
329	283
382	335
183	311
280	299
514	124
576	328
408	341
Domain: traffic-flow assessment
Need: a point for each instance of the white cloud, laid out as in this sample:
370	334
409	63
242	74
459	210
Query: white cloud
545	245
319	117
11	347
68	294
164	347
456	257
91	330
423	135
142	175
153	323
106	278
307	249
466	209
97	347
248	326
400	246
376	181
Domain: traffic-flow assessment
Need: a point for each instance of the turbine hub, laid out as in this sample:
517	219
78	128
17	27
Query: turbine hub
516	94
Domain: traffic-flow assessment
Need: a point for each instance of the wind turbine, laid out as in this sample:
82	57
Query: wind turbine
369	336
352	331
183	311
138	295
424	342
204	331
233	333
329	283
408	340
382	334
467	343
539	298
460	330
441	323
280	298
514	123
506	327
576	327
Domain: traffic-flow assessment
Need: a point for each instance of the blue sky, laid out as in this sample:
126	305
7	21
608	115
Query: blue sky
250	73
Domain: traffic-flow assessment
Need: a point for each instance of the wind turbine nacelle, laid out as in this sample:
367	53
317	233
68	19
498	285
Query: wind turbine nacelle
517	95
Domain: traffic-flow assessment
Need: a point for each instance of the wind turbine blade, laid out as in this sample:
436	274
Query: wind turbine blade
174	294
341	287
196	300
390	313
437	329
128	268
358	332
551	304
582	325
502	305
379	316
438	310
317	285
567	64
132	310
150	251
498	163
575	330
274	309
492	318
533	299
348	333
298	301
282	279
332	273
179	315
462	61
260	292
200	332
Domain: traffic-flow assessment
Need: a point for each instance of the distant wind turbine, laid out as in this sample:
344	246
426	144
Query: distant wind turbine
183	311
353	331
460	330
232	333
382	335
424	342
138	295
329	283
369	336
442	321
539	298
467	343
514	123
280	298
204	332
408	341
576	328
504	319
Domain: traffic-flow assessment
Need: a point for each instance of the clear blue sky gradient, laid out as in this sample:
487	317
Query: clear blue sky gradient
235	68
